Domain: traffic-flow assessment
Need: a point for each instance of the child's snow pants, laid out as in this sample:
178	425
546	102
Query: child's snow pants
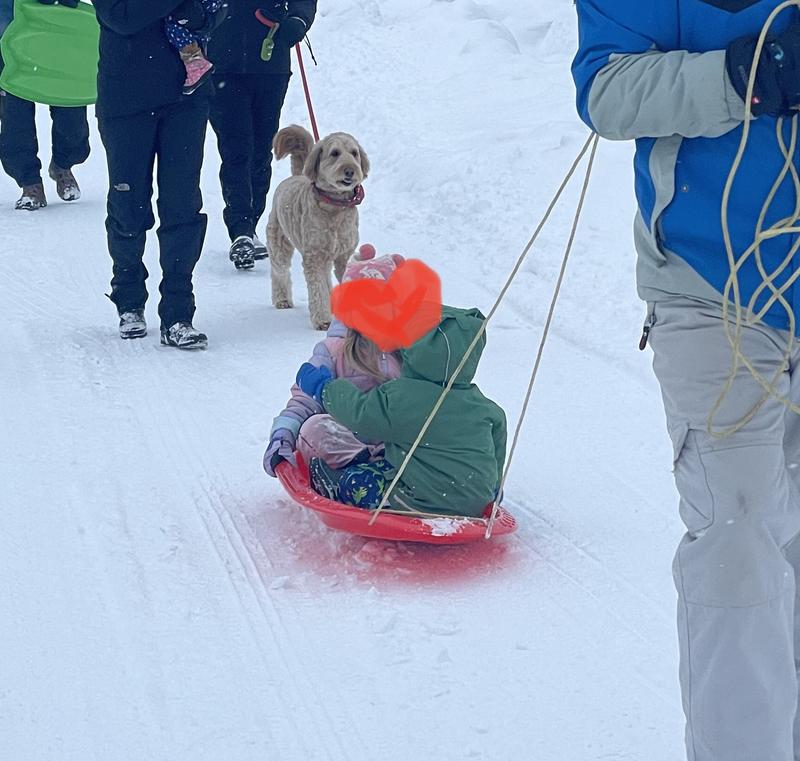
321	436
735	569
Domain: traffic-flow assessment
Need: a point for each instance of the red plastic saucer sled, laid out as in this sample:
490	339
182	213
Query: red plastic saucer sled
400	528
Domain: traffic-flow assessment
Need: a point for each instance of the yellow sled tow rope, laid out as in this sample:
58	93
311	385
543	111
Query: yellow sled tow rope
590	143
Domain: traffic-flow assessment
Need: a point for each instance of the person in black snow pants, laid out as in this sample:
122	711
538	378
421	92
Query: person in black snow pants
143	115
245	112
19	146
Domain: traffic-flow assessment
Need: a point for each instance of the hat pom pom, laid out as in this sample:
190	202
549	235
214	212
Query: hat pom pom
367	251
398	259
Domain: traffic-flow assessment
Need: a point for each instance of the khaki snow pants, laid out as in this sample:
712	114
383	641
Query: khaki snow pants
735	568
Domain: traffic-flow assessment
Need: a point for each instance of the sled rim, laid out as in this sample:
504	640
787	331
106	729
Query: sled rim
442	529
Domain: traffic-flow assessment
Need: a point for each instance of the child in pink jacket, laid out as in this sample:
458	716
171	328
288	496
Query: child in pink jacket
302	426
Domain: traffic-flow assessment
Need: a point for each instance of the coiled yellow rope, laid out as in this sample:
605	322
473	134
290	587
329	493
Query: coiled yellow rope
747	315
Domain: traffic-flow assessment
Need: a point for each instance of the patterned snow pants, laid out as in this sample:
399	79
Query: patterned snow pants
364	485
178	35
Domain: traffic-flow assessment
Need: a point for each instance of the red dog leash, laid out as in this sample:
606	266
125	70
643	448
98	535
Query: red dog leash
272	25
308	94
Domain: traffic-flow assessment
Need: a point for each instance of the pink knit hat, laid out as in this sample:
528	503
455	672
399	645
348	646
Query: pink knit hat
364	264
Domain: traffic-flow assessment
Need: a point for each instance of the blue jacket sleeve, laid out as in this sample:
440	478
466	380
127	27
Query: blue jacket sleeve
633	80
608	28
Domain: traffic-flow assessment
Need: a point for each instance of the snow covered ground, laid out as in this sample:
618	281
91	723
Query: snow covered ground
160	597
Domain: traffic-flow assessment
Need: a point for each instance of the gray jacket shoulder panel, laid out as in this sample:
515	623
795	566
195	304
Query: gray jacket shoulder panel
658	94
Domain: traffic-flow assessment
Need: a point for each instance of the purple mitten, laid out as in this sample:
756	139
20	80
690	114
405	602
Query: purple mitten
281	447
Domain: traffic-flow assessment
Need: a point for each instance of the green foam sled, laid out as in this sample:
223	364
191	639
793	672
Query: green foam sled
51	54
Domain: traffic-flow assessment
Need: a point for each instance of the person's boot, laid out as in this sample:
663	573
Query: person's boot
66	184
324	479
132	324
33	198
182	335
259	249
198	68
243	253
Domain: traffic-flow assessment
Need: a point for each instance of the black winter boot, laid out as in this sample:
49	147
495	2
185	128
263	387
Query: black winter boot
182	335
243	253
324	479
132	324
259	248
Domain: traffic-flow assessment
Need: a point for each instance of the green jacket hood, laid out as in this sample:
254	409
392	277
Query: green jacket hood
436	355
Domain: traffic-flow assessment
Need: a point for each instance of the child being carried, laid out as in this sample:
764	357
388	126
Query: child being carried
189	43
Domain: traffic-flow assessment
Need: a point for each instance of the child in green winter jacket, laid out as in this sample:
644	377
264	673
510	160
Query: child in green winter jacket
457	468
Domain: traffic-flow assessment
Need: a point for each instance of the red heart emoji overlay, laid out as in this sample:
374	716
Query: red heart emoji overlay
393	313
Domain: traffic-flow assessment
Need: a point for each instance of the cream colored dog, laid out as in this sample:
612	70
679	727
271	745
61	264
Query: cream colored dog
314	211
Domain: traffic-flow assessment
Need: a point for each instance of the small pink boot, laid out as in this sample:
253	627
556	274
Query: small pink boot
198	68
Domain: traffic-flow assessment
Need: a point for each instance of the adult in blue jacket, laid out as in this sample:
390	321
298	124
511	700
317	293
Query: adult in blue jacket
246	110
673	77
143	116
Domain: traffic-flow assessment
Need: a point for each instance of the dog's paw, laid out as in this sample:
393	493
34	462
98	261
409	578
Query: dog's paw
283	304
321	324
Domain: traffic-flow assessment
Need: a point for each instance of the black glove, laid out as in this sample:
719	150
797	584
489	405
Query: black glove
291	31
777	85
189	14
68	3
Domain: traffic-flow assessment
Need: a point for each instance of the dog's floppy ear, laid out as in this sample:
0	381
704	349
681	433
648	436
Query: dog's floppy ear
311	167
364	160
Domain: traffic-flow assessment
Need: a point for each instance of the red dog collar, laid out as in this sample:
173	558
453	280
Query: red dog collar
358	197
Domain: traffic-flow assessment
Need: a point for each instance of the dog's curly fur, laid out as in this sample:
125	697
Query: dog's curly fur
324	234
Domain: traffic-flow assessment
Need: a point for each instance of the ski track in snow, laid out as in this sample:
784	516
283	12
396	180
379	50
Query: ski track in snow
163	599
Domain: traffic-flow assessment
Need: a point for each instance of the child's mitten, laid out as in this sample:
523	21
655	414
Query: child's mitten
312	380
281	447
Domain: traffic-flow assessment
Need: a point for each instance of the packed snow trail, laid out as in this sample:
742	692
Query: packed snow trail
163	599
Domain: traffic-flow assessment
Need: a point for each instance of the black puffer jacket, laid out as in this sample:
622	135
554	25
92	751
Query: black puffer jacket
235	47
139	70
